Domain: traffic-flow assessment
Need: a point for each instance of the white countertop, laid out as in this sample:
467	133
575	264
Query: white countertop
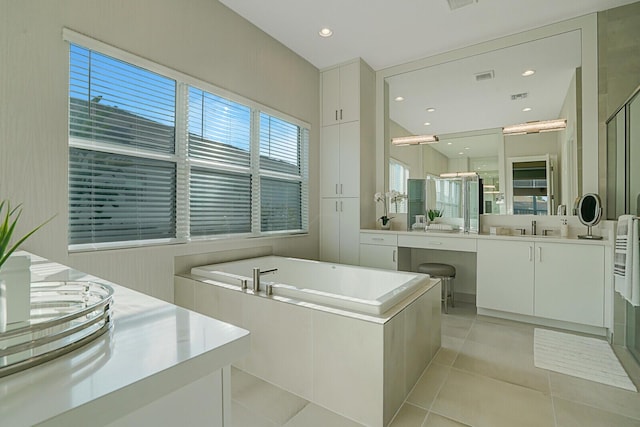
153	348
461	235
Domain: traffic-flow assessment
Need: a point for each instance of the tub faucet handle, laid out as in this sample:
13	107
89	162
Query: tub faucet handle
269	289
256	279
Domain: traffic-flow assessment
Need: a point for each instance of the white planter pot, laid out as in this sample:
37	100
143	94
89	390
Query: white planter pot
15	290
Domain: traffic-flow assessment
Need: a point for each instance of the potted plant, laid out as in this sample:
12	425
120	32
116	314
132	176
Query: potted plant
385	220
15	278
433	214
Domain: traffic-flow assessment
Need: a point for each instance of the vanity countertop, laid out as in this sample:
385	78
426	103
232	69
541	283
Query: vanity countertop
153	348
460	235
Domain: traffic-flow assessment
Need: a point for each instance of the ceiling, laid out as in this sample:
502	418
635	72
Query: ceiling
464	104
389	32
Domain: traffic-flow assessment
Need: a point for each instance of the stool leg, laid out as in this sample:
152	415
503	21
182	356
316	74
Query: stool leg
451	287
445	290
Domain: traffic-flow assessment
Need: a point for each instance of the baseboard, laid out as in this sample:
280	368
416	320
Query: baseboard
559	324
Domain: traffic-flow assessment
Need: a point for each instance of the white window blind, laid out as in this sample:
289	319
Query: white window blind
282	186
122	174
154	159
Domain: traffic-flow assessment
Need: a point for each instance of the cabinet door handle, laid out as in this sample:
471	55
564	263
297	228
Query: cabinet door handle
341	209
341	114
434	243
336	115
530	253
539	254
378	239
394	255
340	188
336	188
336	206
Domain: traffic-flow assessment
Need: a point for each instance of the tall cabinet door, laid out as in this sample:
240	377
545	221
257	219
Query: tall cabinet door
330	230
569	283
505	276
349	160
349	230
330	97
349	92
330	161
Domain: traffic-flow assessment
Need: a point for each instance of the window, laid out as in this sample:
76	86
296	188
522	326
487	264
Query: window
283	184
158	157
122	165
398	176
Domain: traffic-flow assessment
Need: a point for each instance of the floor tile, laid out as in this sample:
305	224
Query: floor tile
611	399
449	349
409	416
570	414
435	420
244	417
504	337
264	399
480	401
316	416
427	387
512	366
456	327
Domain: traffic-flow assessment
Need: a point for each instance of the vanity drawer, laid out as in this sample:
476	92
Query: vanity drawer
426	241
390	239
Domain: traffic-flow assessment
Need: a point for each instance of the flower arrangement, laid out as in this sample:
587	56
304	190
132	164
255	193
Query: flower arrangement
8	220
382	198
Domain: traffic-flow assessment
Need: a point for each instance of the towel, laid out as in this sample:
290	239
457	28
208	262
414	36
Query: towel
626	264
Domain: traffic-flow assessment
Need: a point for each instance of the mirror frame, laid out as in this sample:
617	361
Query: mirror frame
587	25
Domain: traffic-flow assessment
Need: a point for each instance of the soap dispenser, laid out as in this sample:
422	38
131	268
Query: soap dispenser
564	228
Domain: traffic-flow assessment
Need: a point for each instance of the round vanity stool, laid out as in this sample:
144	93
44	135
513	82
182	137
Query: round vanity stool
445	272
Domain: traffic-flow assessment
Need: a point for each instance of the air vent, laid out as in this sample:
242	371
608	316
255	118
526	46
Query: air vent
519	96
457	4
485	75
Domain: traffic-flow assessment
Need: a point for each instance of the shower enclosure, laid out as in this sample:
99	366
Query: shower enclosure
623	190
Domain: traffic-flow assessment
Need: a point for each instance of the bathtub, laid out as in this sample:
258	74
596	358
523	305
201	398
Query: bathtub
364	290
350	339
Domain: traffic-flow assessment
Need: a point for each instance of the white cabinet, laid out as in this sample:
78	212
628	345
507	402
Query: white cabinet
559	281
505	274
347	141
341	94
569	283
340	160
339	240
379	251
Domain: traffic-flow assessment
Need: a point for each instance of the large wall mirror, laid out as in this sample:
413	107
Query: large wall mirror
466	97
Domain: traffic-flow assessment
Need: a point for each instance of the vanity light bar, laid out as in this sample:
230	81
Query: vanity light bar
414	139
535	127
457	174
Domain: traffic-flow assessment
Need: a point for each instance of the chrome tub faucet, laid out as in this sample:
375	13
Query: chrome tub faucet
256	277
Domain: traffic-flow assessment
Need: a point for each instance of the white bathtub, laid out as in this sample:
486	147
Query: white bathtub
351	288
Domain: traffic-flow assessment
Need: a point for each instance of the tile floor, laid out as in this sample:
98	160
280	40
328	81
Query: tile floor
482	376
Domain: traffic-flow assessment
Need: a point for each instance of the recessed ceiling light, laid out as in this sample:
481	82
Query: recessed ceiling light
528	73
525	109
427	124
449	143
399	98
325	32
461	152
430	110
466	148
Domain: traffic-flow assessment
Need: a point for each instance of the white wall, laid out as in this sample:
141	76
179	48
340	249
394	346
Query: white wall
199	37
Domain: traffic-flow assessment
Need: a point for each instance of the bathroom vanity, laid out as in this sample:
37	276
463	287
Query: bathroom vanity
159	365
549	280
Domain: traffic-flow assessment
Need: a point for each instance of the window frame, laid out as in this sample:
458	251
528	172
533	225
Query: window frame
181	156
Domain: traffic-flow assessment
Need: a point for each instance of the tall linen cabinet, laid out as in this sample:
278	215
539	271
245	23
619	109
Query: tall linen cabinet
347	159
